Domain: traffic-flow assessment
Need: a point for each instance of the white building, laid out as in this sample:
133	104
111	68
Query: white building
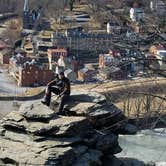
108	28
136	14
160	7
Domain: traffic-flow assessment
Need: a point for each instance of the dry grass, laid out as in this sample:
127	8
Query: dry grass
142	106
122	85
133	96
33	92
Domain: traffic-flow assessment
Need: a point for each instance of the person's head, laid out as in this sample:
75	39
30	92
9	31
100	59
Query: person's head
61	75
56	75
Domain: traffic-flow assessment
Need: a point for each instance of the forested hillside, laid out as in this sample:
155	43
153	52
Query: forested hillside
52	5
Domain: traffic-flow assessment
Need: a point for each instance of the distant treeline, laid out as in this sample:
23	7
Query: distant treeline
7	6
50	7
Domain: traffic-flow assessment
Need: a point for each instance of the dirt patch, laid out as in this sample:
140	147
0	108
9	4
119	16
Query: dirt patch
32	92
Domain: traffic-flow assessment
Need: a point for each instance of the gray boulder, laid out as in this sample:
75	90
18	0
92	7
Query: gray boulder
2	131
36	110
87	96
107	143
35	135
126	128
106	114
90	158
24	154
57	126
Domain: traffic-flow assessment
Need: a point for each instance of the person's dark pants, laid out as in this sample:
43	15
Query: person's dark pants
49	91
63	99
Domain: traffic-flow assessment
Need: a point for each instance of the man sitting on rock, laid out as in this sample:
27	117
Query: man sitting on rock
61	87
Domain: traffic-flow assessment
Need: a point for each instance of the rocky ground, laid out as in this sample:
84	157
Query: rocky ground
86	136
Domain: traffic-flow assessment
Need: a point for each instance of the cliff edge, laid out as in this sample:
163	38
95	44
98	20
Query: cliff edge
88	135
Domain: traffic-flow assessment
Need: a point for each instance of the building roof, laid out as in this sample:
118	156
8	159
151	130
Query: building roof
84	70
5	51
28	45
46	33
68	71
110	69
56	50
44	44
3	45
158	47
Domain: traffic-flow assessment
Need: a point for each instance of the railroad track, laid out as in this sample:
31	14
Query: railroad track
111	86
7	16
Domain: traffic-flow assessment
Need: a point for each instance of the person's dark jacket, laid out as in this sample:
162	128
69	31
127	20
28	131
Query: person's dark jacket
53	82
65	87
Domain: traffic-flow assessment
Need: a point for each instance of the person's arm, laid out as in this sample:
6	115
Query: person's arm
66	88
53	82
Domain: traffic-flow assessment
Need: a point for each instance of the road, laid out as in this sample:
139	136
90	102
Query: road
8	85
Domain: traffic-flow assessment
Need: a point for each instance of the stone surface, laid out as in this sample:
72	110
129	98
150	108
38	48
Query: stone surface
125	128
56	126
70	126
35	135
105	115
107	143
14	121
31	155
131	162
113	161
2	131
83	108
91	157
128	129
87	96
36	110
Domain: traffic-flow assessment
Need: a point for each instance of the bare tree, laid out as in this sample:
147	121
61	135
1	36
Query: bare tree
12	33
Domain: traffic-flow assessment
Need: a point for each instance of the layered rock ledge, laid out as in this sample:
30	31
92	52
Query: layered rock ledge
35	135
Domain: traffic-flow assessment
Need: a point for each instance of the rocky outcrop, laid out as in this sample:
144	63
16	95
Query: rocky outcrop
35	135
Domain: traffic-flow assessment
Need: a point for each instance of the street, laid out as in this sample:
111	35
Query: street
8	85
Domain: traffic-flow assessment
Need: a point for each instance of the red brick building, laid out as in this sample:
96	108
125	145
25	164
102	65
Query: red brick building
5	56
5	53
34	75
28	71
3	46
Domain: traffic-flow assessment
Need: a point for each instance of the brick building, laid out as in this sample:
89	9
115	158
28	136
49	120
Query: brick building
28	71
5	56
3	46
33	75
59	61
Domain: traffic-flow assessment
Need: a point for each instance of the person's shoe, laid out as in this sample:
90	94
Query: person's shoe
45	103
60	113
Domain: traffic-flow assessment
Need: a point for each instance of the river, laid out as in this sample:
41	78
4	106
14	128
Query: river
147	146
